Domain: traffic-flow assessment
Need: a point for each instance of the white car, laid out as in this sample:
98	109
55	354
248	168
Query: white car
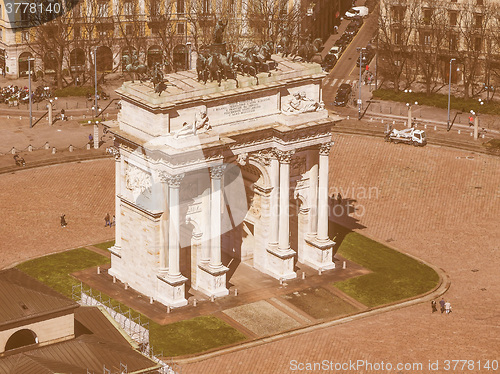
361	11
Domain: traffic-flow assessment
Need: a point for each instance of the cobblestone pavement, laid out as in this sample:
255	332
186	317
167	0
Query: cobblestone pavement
438	204
33	200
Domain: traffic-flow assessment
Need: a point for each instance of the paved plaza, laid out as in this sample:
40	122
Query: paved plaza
438	204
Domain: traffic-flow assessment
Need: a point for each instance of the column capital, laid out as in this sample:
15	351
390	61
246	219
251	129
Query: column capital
174	181
284	157
324	149
115	151
216	172
163	176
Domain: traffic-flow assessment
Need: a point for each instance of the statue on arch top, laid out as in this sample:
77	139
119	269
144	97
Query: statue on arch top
220	27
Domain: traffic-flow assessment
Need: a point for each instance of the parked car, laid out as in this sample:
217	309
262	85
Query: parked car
343	94
361	11
352	29
343	41
366	56
329	61
336	51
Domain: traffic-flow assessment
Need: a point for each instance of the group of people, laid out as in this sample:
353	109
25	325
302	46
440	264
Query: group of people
18	95
108	220
445	306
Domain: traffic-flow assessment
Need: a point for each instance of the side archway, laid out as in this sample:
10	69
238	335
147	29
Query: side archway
20	339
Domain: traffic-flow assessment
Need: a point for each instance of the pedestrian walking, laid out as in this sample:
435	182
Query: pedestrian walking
434	306
339	199
471	121
107	220
63	115
113	221
441	304
63	220
91	138
447	307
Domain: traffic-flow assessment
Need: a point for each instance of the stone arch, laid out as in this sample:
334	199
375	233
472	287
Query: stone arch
180	57
266	179
77	60
49	63
23	64
104	58
21	338
154	56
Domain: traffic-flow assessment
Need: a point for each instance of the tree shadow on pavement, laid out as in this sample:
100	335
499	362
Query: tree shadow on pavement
342	220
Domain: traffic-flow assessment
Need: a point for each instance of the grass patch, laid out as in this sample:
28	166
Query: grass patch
54	270
192	336
395	276
75	91
319	303
438	100
105	246
180	338
493	144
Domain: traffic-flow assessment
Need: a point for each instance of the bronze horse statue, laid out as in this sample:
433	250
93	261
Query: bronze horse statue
134	67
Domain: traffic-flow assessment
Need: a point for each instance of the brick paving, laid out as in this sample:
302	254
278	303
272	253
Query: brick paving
438	204
33	200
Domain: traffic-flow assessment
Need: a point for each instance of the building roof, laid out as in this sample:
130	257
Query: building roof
98	345
23	298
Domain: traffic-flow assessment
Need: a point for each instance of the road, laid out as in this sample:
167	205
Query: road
345	71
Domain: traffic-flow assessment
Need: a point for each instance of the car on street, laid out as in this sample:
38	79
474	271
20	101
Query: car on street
352	29
336	51
361	11
343	41
343	94
329	61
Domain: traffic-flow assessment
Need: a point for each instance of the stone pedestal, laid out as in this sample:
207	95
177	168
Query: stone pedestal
171	290
213	280
280	263
319	254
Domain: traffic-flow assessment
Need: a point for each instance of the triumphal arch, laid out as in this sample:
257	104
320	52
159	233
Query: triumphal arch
207	172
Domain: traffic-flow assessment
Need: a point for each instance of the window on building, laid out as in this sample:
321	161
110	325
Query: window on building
128	8
453	18
180	28
102	9
25	36
453	42
180	6
155	8
453	1
479	2
478	20
398	13
76	11
129	29
478	43
205	6
232	6
427	16
1	34
398	37
77	32
425	38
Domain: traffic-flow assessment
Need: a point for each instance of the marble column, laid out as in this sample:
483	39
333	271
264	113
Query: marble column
215	214
275	181
164	222
205	244
284	198
313	195
118	213
324	152
174	225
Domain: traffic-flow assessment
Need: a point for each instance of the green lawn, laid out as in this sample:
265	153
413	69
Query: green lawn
438	100
395	276
319	303
54	270
192	336
104	246
180	338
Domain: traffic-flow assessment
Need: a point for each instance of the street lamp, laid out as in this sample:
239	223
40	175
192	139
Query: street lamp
95	79
29	91
361	50
409	112
449	92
